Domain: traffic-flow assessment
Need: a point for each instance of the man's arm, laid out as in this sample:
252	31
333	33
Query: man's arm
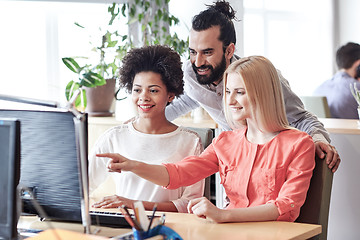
180	106
300	118
307	122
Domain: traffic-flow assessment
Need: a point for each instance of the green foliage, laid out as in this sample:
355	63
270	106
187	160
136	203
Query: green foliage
86	78
155	23
154	27
355	92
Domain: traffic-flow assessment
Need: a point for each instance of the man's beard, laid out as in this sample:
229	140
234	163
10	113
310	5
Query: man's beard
215	73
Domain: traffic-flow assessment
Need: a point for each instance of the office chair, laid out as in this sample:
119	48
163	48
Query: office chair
316	207
317	105
206	135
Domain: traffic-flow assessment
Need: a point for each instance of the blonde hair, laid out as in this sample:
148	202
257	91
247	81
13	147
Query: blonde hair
264	92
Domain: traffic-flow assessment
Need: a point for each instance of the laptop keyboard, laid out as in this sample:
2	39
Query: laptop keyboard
108	219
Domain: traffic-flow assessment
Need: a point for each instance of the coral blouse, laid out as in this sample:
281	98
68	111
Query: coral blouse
278	171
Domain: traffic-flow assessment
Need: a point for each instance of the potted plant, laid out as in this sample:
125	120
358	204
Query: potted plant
356	93
97	77
151	18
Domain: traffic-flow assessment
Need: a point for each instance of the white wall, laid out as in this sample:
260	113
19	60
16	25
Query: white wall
349	21
186	9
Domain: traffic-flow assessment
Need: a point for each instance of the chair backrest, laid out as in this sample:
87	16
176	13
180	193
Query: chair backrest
316	207
206	135
317	105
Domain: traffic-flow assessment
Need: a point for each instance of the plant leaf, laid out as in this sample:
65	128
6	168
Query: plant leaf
70	88
77	24
355	92
112	43
123	10
132	20
71	64
81	101
91	79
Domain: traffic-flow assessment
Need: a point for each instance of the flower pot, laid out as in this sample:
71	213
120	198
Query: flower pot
100	99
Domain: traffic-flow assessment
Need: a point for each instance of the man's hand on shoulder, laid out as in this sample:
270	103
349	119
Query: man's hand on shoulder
332	156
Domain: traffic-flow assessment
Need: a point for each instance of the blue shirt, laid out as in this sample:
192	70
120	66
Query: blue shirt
341	102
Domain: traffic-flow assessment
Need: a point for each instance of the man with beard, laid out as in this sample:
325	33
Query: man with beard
212	46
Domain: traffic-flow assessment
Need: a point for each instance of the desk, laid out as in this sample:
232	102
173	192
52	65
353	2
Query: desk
344	213
342	126
190	227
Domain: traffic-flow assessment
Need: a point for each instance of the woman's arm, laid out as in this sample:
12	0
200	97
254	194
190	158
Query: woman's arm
202	207
153	173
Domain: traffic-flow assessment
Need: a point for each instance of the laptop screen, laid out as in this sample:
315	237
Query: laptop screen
9	176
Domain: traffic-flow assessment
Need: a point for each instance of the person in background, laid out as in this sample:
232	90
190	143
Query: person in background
264	164
154	77
341	102
212	44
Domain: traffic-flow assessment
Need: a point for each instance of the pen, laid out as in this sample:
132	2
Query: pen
127	216
136	223
162	219
152	216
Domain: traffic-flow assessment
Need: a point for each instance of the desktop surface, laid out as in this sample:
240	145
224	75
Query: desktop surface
189	227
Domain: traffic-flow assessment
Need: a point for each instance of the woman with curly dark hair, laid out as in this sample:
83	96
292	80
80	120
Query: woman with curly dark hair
158	59
153	76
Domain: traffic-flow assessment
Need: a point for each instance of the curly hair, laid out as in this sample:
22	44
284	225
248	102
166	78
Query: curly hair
158	59
219	14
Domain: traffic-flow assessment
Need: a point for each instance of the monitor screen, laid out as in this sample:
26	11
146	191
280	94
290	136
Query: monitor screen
9	176
50	162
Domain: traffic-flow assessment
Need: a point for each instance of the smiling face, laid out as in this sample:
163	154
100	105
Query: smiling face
237	100
150	95
207	55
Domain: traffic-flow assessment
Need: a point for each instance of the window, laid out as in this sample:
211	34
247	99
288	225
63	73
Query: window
36	35
295	35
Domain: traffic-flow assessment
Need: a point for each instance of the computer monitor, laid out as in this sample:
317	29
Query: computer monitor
53	143
9	176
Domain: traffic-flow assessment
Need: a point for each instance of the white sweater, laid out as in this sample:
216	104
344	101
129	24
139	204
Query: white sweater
148	148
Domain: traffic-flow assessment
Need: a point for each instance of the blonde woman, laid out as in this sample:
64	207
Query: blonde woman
264	164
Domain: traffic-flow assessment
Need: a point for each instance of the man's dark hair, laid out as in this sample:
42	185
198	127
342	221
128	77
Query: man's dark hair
348	54
158	59
219	14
